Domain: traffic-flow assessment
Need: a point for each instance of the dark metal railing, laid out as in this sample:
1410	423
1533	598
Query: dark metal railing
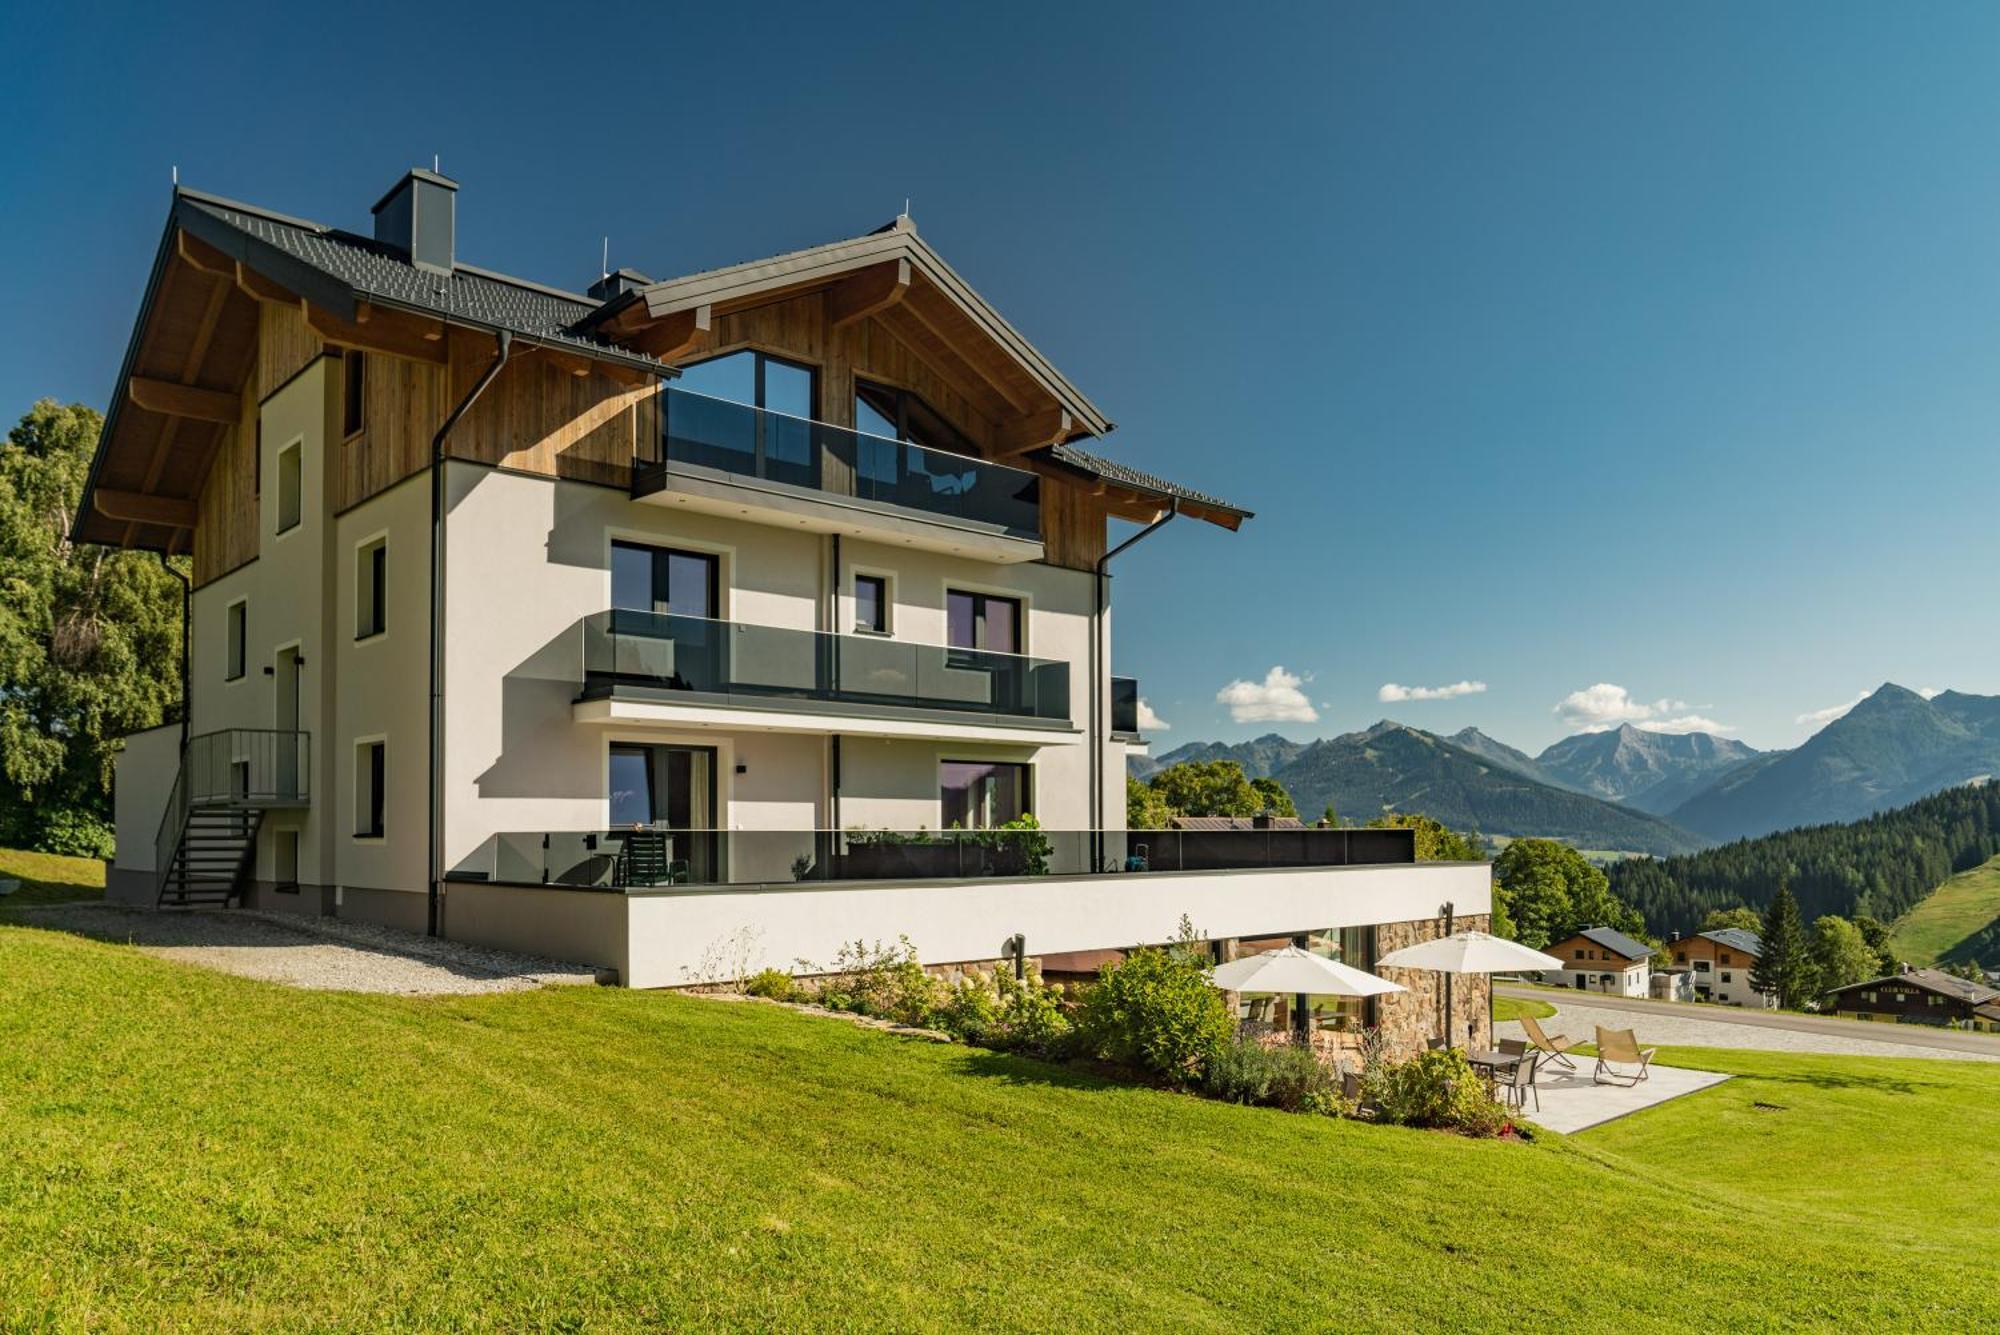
234	767
625	859
742	441
661	651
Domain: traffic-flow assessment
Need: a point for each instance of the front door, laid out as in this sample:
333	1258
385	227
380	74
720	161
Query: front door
667	791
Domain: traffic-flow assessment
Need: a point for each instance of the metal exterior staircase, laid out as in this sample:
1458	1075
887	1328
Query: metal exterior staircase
206	849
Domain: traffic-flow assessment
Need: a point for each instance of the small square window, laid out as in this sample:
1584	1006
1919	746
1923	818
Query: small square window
239	626
354	392
371	589
370	773
871	604
290	480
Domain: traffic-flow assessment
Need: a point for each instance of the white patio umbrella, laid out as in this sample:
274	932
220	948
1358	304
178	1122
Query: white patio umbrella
1467	952
1301	973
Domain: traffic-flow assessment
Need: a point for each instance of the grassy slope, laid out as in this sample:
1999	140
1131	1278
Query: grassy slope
1513	1008
183	1147
47	879
1955	910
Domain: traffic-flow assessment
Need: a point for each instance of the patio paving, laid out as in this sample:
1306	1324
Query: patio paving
1572	1102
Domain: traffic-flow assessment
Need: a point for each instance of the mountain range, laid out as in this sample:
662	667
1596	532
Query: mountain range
1631	789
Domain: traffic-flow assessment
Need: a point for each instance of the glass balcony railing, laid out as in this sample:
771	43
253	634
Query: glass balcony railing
1125	706
746	442
661	651
644	858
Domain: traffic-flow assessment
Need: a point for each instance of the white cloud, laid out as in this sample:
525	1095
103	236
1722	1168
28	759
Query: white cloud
1683	724
1820	717
1930	692
1391	693
1149	721
1602	707
1276	699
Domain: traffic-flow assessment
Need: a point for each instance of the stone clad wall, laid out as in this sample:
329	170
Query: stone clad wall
1409	1018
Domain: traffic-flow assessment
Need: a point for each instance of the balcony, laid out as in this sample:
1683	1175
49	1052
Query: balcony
637	665
729	458
648	859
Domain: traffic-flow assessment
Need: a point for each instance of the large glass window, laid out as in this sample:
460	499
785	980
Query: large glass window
982	621
777	444
882	410
665	579
663	799
981	795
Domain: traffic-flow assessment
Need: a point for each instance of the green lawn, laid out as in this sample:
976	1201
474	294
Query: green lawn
1513	1008
47	878
184	1148
1955	910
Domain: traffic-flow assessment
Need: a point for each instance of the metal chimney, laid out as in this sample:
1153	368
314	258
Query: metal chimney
418	217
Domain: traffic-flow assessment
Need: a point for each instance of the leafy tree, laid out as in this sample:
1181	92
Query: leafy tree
1276	800
89	641
1218	788
1840	953
1436	842
1877	936
1145	809
1748	919
1330	818
1785	969
1551	891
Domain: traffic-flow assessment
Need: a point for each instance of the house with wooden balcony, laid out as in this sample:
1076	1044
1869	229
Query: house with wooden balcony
770	604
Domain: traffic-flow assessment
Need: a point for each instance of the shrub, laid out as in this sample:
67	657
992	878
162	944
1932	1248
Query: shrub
72	832
1033	1019
773	983
885	982
1440	1089
970	1010
1284	1076
1157	1012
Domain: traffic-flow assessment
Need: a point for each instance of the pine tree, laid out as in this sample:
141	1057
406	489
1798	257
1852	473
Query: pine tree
1785	969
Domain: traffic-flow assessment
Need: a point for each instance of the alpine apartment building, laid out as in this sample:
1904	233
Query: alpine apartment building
736	615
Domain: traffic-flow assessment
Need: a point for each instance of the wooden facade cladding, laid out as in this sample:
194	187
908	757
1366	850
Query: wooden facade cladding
286	345
225	530
540	416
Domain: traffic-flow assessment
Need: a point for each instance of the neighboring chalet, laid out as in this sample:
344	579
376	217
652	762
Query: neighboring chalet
1601	959
727	616
1919	996
1720	962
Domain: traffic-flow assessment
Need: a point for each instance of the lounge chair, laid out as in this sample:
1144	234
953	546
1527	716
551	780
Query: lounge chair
1620	1046
1555	1049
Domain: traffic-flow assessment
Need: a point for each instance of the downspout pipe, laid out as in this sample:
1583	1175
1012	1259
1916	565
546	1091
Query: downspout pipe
503	347
187	598
1100	670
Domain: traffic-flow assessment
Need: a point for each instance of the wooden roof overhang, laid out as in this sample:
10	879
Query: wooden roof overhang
894	277
194	348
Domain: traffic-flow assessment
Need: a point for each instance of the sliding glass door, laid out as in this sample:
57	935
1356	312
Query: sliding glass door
663	802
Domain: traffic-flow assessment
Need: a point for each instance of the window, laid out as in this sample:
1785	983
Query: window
239	628
871	604
1579	953
880	410
290	480
664	579
981	795
982	621
1725	957
1725	977
370	771
754	378
257	460
354	392
371	588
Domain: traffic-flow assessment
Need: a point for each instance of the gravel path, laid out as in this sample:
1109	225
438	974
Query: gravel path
327	954
1662	1029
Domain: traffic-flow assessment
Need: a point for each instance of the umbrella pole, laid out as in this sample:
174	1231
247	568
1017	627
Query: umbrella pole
1448	915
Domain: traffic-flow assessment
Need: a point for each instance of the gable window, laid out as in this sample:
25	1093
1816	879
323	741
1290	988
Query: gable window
290	480
371	588
370	776
354	392
897	414
871	604
982	621
981	795
239	629
705	420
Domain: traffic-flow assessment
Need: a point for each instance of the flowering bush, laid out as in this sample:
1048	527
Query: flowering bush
1158	1012
1439	1089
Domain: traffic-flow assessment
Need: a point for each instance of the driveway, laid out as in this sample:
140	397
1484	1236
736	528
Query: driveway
1667	1023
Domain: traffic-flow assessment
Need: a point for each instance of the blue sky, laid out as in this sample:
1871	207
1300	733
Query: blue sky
1556	346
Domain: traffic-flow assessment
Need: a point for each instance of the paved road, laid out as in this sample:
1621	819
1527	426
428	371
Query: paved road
1876	1036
